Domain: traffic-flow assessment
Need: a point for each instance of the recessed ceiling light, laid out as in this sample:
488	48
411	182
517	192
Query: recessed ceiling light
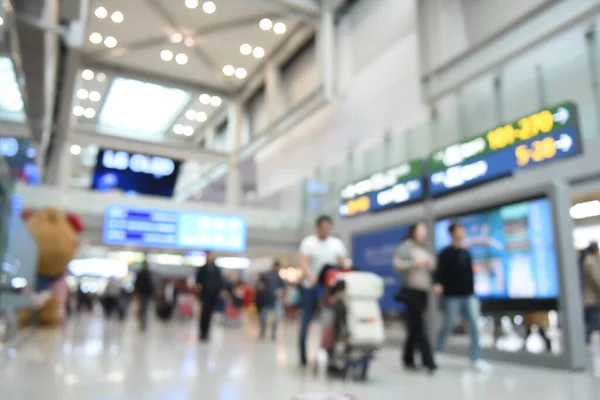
96	38
258	52
101	12
279	28
189	41
78	111
245	49
176	37
89	113
215	101
181	58
191	4
204	98
241	73
190	114
82	94
201	116
1	21
75	149
188	130
178	129
110	42
87	74
265	24
209	7
100	77
95	96
117	17
228	70
166	55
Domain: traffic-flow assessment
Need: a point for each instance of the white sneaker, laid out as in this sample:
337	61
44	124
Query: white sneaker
482	366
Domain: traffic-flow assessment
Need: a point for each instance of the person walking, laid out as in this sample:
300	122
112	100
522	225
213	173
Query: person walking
272	287
416	264
454	281
209	284
316	251
591	289
112	297
144	289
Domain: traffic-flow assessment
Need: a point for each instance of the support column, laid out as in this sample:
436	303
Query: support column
234	140
274	98
209	137
63	171
326	49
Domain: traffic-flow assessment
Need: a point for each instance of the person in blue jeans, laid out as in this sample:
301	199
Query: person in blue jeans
454	281
270	287
316	251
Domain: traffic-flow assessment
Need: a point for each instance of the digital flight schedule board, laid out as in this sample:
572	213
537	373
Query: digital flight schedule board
387	189
548	135
162	228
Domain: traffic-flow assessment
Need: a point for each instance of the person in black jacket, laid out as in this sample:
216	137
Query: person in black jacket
454	281
209	284
144	289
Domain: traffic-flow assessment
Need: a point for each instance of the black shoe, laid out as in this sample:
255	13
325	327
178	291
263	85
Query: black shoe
431	369
410	367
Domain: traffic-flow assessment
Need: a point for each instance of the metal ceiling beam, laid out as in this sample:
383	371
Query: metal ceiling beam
304	10
84	137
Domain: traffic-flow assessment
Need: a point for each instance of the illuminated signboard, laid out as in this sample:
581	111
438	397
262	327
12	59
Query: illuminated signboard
390	188
544	136
161	228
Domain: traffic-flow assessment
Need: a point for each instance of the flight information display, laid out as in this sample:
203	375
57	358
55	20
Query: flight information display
162	228
387	189
513	250
544	136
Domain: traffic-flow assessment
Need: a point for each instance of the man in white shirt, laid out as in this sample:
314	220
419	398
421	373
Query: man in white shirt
316	251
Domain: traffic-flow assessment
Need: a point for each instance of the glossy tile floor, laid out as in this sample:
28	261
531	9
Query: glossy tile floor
91	359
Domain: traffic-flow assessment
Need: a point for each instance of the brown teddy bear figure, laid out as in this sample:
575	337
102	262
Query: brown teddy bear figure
56	235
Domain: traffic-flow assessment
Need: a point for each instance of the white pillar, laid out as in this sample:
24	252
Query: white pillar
63	172
209	137
274	98
326	49
234	140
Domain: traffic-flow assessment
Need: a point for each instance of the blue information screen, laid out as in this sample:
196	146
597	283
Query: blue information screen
513	250
145	227
374	252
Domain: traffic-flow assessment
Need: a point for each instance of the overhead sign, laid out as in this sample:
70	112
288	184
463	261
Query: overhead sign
390	188
541	137
161	228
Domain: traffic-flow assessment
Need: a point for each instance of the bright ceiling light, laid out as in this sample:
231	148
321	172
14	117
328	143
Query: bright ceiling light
245	49
228	70
189	41
1	21
89	113
82	94
178	129
117	17
87	74
101	12
191	4
110	42
176	37
201	116
279	28
95	96
101	77
96	38
588	209
166	55
181	58
78	111
265	24
190	114
75	149
209	7
215	101
204	98
241	73
258	52
188	130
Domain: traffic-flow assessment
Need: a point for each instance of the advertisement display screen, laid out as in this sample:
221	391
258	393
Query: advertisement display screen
545	136
391	188
513	250
374	252
135	173
161	228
